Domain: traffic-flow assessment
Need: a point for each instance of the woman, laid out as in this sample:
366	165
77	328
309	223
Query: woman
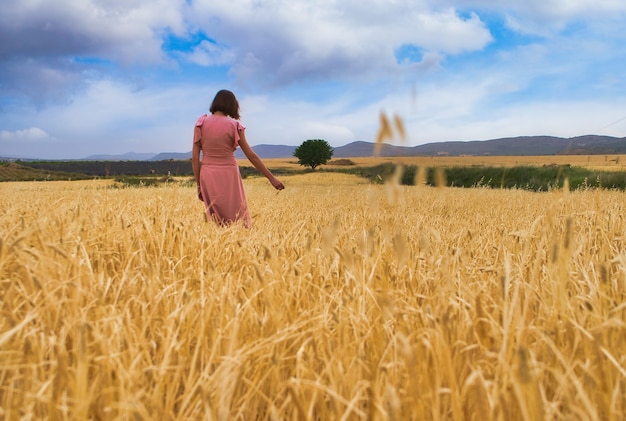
218	179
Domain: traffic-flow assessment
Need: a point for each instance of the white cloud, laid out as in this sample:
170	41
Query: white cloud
210	54
546	17
495	105
296	40
107	77
557	118
115	117
24	135
129	31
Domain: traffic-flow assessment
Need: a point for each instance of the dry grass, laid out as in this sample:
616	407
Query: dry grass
345	301
592	162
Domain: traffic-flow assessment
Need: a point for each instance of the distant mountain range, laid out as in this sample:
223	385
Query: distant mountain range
512	146
129	156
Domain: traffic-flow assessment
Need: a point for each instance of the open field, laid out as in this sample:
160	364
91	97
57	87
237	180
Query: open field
64	170
346	300
594	162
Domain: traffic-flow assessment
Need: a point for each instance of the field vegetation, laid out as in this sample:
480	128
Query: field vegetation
533	178
346	300
11	171
541	173
591	162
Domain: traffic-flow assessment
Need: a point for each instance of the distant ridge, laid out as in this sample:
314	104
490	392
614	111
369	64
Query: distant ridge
270	151
167	156
264	151
510	146
529	145
129	156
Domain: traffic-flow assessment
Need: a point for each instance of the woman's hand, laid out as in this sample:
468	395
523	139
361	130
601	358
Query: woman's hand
200	194
258	162
278	185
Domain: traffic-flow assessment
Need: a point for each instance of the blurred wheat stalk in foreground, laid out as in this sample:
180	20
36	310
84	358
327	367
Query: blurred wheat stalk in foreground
345	301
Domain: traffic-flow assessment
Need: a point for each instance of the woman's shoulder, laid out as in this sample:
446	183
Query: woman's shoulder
200	120
229	121
219	120
239	125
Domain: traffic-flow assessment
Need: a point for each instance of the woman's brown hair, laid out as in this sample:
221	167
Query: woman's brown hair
226	102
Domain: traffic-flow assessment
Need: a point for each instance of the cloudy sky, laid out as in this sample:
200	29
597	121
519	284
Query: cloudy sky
83	77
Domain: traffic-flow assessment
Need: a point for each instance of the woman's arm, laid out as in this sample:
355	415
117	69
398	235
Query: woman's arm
195	162
258	162
195	159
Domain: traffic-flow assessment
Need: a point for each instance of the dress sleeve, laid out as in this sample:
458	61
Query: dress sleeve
238	128
197	131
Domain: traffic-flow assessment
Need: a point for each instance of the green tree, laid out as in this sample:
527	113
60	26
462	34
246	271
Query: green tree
313	152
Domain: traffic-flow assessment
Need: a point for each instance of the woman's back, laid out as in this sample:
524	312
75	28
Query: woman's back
216	137
219	138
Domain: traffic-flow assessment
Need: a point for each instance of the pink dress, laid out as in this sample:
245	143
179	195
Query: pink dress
220	180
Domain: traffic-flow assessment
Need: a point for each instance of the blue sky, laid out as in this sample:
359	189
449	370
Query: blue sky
117	76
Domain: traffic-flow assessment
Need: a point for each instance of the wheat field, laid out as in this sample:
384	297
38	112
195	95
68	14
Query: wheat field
591	162
345	301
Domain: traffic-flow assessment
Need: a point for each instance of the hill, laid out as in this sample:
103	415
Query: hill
529	145
270	151
12	171
511	146
265	151
514	146
169	156
129	156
